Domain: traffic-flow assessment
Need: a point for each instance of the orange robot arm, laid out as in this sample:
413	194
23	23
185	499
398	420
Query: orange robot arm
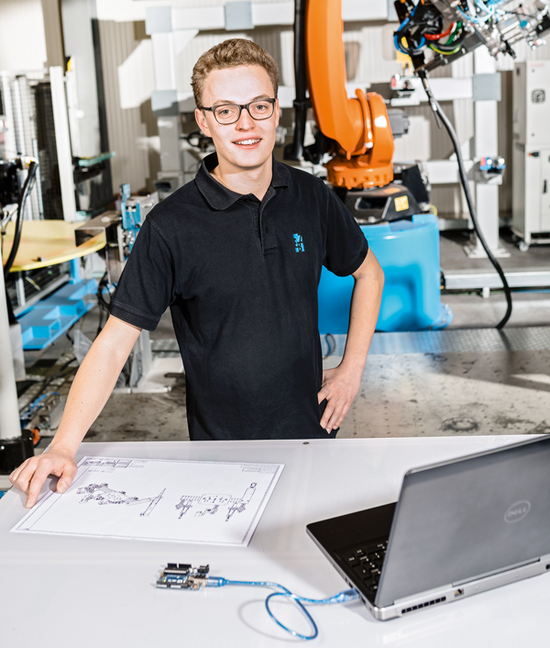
360	125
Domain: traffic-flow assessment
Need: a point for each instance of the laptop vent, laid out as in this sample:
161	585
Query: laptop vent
423	605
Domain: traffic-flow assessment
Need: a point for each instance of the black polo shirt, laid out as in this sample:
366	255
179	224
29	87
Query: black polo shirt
240	277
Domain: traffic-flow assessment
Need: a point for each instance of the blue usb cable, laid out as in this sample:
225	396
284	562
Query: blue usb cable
342	597
183	576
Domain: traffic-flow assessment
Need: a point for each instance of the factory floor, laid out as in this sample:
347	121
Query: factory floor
467	379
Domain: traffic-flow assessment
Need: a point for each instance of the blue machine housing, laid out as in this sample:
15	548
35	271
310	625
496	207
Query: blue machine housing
408	252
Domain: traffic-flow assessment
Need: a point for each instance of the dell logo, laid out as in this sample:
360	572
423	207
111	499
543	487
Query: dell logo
517	511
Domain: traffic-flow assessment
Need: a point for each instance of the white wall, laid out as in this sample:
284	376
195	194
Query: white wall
127	126
22	40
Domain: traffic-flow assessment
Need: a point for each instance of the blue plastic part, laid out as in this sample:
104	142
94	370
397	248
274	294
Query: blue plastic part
408	252
96	159
75	270
50	318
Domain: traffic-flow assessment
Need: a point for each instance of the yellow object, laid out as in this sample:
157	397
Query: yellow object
400	57
47	242
401	203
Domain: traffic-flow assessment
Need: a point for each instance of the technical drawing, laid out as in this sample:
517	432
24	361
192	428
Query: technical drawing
214	501
147	499
104	495
208	511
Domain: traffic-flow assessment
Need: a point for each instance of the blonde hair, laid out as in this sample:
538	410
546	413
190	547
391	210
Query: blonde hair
232	53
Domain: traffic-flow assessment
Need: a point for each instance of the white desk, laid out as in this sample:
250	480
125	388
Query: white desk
58	592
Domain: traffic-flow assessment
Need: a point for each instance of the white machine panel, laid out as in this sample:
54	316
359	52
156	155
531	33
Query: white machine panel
532	94
531	157
545	197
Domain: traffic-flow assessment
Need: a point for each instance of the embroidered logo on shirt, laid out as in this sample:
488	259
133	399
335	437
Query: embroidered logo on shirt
298	243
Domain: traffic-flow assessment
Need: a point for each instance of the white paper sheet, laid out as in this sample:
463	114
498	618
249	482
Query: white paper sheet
150	499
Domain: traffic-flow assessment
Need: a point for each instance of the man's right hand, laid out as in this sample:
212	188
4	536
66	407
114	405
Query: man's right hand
32	473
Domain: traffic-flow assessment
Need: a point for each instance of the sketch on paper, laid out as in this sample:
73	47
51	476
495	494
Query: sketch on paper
222	502
104	495
213	502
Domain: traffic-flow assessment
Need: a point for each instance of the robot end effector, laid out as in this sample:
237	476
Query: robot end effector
437	32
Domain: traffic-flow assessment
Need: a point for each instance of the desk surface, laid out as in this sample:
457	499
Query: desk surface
58	591
48	242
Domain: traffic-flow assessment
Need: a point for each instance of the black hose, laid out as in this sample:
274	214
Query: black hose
464	181
25	191
295	150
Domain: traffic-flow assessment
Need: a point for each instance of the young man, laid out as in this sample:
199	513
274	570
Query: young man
236	255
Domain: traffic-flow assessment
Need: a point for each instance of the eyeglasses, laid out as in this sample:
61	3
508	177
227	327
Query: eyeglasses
230	113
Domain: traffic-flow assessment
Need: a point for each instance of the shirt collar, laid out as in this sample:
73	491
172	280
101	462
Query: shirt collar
220	197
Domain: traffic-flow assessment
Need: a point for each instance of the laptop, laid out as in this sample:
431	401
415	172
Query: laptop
460	527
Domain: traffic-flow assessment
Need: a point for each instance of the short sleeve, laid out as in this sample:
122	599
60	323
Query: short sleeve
346	246
146	285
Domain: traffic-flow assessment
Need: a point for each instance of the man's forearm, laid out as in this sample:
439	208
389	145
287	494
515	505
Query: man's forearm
91	388
365	306
341	384
93	384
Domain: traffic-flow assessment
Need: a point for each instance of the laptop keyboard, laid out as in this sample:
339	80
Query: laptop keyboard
366	562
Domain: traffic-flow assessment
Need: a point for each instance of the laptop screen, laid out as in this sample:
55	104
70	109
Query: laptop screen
470	517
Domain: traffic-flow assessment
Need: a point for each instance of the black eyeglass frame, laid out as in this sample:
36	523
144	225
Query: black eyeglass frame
213	109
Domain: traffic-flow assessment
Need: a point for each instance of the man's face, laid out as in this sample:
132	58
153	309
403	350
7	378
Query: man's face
247	144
